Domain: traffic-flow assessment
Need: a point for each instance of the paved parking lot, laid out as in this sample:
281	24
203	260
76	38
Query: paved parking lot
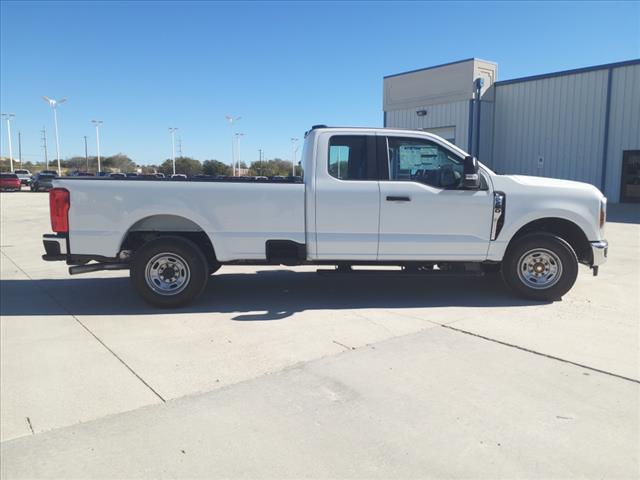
280	372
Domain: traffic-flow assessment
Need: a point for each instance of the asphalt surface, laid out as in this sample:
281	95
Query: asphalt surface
279	372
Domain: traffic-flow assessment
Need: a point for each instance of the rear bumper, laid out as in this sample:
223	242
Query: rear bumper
55	247
600	250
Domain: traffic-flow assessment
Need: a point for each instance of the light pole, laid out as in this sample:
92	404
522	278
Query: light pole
44	145
54	106
86	153
294	149
172	130
238	136
9	116
20	148
98	124
231	119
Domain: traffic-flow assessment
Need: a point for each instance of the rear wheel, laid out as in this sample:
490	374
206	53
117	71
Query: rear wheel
540	266
169	272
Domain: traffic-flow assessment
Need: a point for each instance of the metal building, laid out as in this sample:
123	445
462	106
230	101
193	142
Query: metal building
581	124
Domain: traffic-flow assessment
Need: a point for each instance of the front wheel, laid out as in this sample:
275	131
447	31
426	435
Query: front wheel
540	266
169	272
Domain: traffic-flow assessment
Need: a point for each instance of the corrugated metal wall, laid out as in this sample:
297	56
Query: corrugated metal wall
552	127
485	150
455	114
624	123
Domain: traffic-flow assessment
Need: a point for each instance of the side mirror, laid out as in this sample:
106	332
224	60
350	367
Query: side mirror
471	179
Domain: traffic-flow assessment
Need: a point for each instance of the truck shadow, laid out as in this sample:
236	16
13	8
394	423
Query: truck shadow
258	296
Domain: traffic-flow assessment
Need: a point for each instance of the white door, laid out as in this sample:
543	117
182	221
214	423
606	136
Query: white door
424	212
347	198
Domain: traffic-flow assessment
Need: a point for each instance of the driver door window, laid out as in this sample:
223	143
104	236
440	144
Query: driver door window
425	162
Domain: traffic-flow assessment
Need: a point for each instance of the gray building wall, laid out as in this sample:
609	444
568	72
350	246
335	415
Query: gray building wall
454	114
624	124
552	127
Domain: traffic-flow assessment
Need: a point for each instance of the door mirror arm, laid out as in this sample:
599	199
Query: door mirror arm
471	179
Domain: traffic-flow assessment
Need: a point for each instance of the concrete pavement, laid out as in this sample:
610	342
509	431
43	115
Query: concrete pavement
278	372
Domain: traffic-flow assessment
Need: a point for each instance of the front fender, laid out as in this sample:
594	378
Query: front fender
514	221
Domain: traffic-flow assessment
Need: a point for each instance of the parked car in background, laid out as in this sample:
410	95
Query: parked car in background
159	175
9	182
42	182
178	176
117	175
78	173
23	175
102	174
131	174
52	172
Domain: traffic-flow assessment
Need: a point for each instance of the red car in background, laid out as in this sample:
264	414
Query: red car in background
9	182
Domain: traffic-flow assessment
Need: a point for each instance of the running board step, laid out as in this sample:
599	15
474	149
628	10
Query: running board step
399	273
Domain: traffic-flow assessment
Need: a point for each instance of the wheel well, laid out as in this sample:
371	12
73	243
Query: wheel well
158	226
565	229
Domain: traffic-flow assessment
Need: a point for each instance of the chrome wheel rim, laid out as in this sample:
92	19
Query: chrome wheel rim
167	274
539	268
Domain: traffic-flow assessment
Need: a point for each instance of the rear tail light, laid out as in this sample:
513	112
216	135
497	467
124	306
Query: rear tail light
59	203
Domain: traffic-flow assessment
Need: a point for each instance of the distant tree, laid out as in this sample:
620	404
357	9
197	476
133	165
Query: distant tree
269	168
149	169
185	165
119	162
33	167
215	167
75	163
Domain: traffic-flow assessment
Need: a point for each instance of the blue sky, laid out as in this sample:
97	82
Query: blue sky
142	67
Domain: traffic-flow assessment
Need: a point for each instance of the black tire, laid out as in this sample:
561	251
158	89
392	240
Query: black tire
187	269
529	265
213	268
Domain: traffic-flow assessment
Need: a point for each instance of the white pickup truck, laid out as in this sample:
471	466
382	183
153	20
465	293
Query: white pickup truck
370	196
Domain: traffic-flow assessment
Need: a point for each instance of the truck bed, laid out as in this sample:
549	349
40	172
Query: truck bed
239	216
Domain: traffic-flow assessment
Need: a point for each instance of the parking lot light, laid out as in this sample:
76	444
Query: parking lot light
54	106
97	124
8	116
231	119
172	131
294	150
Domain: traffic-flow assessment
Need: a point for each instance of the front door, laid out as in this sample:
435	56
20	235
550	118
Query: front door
424	212
630	185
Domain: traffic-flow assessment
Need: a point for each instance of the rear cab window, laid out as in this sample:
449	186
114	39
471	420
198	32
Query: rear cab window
352	157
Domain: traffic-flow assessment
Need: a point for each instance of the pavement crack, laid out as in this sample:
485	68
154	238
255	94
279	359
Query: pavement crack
552	357
65	309
30	426
343	345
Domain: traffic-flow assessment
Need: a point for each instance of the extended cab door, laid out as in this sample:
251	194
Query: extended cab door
347	196
424	212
